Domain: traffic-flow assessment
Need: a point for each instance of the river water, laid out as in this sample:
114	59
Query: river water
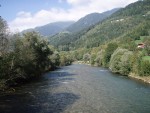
79	89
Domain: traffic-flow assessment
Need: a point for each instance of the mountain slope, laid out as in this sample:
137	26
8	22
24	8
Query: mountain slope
118	25
89	20
64	39
52	28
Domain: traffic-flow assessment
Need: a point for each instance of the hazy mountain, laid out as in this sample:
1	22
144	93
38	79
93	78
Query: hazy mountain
52	28
129	22
79	28
89	20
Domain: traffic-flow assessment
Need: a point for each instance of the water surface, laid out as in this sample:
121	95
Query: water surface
79	89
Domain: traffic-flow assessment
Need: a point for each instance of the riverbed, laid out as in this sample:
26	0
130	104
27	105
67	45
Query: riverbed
79	88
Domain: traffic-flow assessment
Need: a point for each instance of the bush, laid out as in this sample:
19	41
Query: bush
92	59
99	58
86	57
65	59
111	47
145	68
120	61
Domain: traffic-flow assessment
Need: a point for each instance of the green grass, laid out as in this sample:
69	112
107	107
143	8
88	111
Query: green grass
148	13
143	37
138	41
146	58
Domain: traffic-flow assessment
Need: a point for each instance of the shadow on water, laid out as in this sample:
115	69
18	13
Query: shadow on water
38	97
40	103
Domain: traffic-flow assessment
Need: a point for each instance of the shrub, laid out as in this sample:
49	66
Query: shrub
120	61
99	58
111	47
92	59
145	68
86	57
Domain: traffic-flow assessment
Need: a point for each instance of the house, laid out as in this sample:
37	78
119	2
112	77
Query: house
141	45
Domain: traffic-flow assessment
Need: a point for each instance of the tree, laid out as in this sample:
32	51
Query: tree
86	57
55	59
120	61
145	68
92	59
111	47
3	36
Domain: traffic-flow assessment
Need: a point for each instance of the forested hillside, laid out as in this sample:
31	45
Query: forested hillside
89	20
63	40
120	42
117	25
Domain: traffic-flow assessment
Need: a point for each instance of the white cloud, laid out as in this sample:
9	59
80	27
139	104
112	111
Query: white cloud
78	2
80	8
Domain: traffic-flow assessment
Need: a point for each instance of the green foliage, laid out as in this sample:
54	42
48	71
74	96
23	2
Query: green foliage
3	37
92	59
65	59
29	57
145	68
120	61
146	40
146	58
99	58
86	57
55	59
140	30
111	47
140	7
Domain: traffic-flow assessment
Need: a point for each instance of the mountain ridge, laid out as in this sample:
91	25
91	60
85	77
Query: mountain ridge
51	28
89	20
119	24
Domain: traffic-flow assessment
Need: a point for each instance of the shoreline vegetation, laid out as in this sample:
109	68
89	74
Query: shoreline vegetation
145	79
24	57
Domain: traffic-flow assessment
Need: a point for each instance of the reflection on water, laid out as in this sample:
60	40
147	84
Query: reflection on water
79	89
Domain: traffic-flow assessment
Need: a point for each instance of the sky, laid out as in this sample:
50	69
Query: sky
24	14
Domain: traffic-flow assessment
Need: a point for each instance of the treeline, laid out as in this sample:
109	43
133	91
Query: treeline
122	54
23	57
120	58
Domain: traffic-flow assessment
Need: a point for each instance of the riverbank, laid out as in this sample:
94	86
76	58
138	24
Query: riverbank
145	79
82	62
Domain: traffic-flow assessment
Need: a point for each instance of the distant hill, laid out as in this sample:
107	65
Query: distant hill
89	20
129	22
51	29
76	30
121	24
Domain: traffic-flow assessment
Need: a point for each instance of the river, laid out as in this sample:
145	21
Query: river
79	89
